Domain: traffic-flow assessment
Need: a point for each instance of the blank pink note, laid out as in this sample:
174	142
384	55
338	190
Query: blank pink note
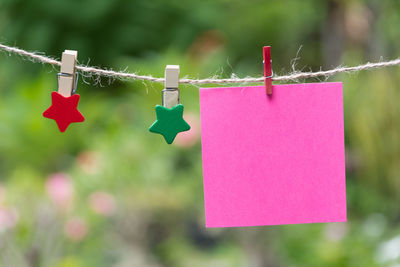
278	160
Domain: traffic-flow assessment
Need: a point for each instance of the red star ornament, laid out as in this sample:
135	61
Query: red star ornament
64	110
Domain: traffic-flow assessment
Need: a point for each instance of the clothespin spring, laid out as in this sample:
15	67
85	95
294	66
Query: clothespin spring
61	74
270	76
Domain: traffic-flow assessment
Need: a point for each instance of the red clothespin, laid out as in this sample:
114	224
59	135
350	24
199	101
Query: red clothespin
267	69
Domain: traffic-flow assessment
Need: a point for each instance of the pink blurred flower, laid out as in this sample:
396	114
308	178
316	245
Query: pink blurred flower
76	229
189	138
102	203
358	22
206	45
336	231
2	194
8	218
89	162
61	190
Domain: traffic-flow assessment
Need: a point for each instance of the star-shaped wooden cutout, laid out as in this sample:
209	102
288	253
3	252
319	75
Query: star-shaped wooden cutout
64	110
169	122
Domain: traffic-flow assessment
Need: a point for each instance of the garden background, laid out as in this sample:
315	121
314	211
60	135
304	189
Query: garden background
108	193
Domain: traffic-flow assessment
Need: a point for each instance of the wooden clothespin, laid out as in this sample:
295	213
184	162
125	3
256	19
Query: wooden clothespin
170	120
267	69
67	77
171	92
64	103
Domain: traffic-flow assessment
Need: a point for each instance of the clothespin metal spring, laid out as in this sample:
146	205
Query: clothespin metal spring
61	74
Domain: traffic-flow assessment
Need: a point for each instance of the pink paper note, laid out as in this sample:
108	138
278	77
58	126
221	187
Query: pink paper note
278	160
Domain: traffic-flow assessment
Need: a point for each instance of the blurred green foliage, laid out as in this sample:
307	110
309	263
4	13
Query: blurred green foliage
108	193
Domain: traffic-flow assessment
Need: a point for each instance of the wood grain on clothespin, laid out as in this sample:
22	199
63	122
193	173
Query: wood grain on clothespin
66	78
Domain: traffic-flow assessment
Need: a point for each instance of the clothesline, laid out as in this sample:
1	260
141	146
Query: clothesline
125	75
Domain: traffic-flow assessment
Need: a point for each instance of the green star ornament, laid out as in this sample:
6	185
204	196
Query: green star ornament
169	122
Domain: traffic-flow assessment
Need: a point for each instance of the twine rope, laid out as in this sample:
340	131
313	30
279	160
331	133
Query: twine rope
36	57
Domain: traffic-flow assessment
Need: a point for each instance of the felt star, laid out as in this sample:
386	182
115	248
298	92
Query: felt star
169	122
64	110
